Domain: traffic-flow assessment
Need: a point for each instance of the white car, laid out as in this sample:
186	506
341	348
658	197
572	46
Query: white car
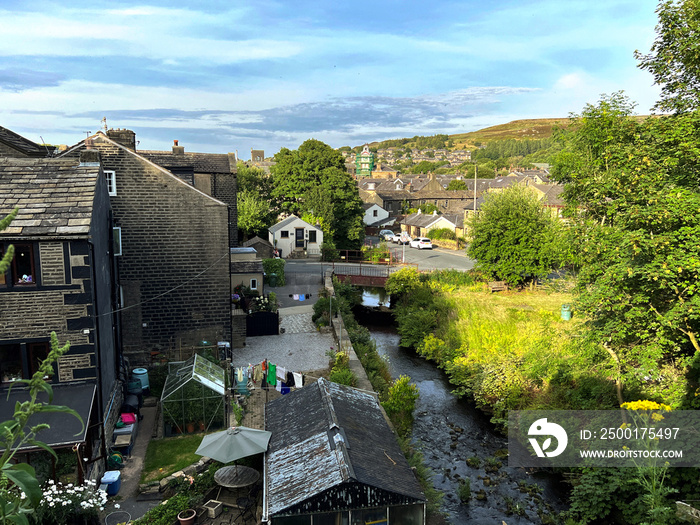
386	235
422	243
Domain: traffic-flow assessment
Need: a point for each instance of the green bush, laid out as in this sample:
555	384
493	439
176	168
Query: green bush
343	376
400	404
329	252
275	266
442	233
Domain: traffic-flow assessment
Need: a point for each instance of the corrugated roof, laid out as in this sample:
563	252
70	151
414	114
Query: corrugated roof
55	197
326	434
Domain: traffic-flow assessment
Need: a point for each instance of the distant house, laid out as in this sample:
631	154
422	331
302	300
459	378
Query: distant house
332	458
174	264
294	237
419	224
246	269
14	145
62	279
376	216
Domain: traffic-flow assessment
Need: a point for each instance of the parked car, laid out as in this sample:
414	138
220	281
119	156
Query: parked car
386	234
395	238
404	238
422	243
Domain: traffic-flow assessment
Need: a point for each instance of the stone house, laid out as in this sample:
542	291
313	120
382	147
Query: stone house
174	264
419	224
263	248
294	237
62	280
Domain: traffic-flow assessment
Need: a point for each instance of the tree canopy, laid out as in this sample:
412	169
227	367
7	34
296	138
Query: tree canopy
674	60
299	174
514	238
632	188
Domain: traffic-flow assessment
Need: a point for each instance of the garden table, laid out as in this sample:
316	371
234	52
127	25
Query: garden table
236	477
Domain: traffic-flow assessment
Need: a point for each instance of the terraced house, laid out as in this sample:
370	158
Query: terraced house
61	280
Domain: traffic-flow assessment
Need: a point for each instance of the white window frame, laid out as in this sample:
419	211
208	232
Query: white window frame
111	177
253	284
117	239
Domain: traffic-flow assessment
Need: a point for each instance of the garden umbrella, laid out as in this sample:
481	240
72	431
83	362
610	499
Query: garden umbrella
234	443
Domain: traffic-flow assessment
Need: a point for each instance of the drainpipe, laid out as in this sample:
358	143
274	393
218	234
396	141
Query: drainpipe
98	357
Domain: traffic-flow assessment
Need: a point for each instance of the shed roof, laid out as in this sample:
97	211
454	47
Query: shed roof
286	222
55	197
326	434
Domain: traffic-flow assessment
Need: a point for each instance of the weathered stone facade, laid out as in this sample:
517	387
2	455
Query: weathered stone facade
174	265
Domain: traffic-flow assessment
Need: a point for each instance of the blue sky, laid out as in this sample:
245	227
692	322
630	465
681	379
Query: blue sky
224	76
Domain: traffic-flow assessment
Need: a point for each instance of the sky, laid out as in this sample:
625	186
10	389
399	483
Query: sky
225	76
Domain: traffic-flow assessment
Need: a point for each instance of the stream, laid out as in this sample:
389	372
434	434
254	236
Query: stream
458	442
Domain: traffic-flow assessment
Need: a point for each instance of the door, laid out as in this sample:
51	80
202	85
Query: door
299	238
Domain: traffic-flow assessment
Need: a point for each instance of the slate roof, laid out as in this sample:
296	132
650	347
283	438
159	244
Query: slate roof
55	197
326	434
19	143
552	194
199	162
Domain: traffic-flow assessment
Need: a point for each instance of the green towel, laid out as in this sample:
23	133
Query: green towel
271	374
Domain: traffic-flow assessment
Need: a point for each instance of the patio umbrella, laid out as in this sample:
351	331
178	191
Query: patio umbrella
234	443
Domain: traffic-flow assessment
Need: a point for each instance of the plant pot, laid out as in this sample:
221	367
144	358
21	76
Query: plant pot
190	428
202	426
186	517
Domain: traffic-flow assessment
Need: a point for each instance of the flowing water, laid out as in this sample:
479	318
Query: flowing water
459	442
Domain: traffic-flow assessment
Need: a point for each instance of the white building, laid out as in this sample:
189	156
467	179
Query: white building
297	237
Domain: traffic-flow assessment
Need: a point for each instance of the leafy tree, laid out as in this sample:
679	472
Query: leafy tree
457	185
7	257
317	165
253	213
514	239
632	187
674	60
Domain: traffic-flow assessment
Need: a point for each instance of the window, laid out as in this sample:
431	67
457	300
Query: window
284	234
10	363
374	213
111	177
38	352
117	239
253	284
23	265
312	236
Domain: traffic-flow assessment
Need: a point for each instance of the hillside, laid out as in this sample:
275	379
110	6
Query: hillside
517	129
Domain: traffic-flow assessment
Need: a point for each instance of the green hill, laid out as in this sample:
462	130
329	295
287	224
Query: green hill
540	128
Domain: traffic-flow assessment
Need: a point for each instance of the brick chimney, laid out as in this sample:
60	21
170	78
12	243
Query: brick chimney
178	150
125	137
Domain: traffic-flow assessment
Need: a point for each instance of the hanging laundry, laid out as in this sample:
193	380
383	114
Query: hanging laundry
281	373
302	297
278	386
308	296
257	373
239	374
296	297
298	380
271	374
285	390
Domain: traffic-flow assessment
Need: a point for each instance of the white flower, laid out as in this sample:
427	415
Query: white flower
116	505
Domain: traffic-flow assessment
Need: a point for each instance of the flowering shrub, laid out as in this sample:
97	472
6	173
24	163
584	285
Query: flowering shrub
69	503
263	304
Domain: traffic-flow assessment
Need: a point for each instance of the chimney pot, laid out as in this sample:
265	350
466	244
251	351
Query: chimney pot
175	142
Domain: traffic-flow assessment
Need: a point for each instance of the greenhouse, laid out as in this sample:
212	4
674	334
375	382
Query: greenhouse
194	397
